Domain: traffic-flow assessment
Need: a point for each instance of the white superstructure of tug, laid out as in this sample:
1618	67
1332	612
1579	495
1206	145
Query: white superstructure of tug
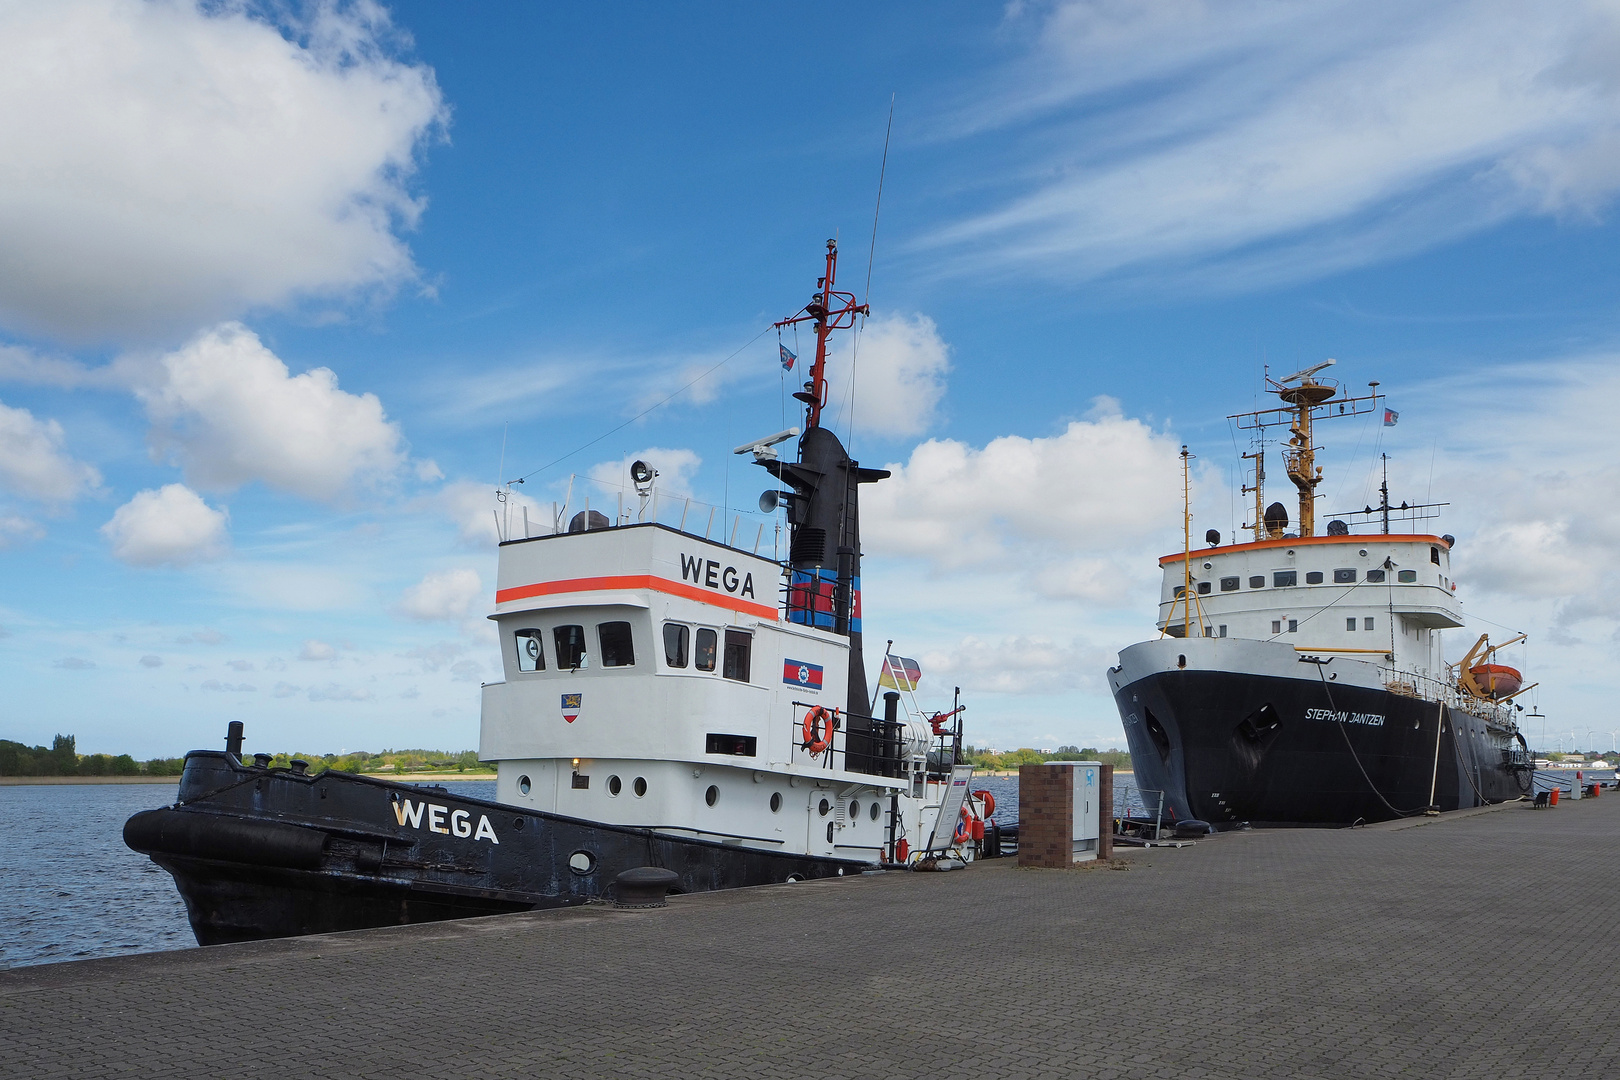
696	727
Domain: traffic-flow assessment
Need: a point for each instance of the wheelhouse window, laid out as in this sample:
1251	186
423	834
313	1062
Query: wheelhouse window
677	639
531	655
1407	576
1344	577
703	654
1375	577
1257	582
1276	626
570	642
1203	588
739	650
1367	624
1350	624
1284	578
1313	577
618	646
1293	626
1434	555
1179	591
1229	584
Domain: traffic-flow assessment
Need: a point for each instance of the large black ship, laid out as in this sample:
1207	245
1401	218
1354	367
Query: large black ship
1299	679
687	711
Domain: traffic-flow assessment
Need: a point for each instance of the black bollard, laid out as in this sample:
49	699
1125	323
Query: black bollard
644	887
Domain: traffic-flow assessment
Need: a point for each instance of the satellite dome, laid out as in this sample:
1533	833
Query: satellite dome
1338	528
1276	516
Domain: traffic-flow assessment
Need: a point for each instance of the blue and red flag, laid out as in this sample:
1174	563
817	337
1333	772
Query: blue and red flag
1391	417
787	357
798	673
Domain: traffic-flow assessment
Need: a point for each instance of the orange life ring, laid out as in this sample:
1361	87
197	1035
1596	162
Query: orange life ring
988	799
964	831
818	730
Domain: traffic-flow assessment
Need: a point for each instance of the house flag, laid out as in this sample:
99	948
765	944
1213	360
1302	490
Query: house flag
787	357
1391	417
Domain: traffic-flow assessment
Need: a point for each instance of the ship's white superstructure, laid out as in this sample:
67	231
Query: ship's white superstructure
651	681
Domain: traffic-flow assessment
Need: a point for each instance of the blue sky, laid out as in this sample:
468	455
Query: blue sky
276	284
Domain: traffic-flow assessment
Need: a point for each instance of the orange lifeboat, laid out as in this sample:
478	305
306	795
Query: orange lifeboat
1497	680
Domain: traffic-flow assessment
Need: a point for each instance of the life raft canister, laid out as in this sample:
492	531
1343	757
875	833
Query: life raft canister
902	851
818	730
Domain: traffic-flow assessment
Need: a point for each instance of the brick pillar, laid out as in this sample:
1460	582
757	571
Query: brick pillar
1045	816
1105	812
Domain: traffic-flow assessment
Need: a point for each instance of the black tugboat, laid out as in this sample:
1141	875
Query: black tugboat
669	702
1299	678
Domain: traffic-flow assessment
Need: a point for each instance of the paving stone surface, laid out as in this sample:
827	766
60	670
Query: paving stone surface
1476	945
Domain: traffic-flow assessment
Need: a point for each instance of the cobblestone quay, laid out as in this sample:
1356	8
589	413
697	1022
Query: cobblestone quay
1478	945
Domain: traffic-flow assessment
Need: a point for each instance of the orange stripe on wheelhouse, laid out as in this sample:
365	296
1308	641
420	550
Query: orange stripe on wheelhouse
636	581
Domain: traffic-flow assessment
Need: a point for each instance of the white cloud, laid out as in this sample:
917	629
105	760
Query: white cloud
473	507
1069	511
171	162
445	596
316	650
1281	141
435	656
16	529
899	377
227	408
33	463
171	526
334	692
1017	665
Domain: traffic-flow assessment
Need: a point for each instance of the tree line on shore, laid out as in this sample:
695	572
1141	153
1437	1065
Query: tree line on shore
1011	759
62	758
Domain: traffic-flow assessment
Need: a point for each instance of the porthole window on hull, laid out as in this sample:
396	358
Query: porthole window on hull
615	785
875	811
712	796
1229	584
523	784
1344	577
854	809
1257	582
1284	578
582	862
824	807
776	801
1375	577
640	786
1407	576
1313	577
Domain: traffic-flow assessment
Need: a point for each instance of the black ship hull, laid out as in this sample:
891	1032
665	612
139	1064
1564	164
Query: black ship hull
261	853
1243	746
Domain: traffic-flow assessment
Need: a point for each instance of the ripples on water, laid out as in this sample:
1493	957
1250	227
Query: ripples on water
70	889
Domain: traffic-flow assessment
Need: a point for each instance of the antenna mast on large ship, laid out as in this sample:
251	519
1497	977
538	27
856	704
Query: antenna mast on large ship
1307	399
829	310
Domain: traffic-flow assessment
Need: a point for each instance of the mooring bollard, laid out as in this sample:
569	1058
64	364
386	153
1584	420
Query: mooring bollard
644	887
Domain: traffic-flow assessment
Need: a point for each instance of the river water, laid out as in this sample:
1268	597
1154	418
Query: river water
71	890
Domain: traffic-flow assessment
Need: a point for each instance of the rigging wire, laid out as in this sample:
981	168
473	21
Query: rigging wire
655	405
871	255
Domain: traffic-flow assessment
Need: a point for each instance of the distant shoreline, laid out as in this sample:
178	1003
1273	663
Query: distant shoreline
32	781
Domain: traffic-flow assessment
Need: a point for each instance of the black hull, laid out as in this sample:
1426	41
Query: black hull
260	853
1229	747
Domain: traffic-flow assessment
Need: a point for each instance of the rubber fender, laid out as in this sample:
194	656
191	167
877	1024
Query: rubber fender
229	839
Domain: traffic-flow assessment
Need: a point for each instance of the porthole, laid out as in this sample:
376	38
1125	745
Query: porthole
582	862
523	784
854	809
711	796
875	811
776	801
615	785
825	806
640	786
517	824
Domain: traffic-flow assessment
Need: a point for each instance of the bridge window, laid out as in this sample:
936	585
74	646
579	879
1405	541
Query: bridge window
677	636
570	642
530	655
1179	592
735	745
1434	555
1276	626
1314	577
1344	577
1257	582
1350	624
1223	630
1229	584
704	652
1293	626
1203	588
618	646
1407	576
1283	578
1375	577
1366	624
739	647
